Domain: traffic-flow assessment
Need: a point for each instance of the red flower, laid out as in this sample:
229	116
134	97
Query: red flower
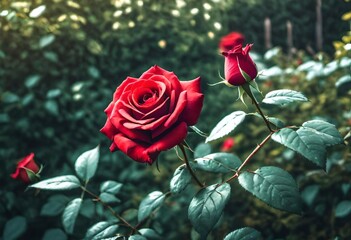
231	40
150	114
26	169
227	145
238	66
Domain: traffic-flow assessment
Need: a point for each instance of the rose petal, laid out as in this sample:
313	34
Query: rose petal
174	136
109	109
26	160
195	99
23	175
135	150
182	101
128	117
150	126
140	135
113	147
108	129
159	110
125	85
170	76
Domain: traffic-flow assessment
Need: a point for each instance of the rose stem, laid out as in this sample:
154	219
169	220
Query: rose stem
181	146
263	116
109	208
247	89
259	146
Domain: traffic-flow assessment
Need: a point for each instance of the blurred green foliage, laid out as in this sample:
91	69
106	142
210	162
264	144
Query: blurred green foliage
60	62
248	17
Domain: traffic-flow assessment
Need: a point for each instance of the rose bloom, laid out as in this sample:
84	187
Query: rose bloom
237	63
231	40
227	145
151	114
27	164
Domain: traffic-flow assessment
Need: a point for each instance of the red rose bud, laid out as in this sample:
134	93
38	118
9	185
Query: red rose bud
151	114
238	66
27	170
227	145
231	40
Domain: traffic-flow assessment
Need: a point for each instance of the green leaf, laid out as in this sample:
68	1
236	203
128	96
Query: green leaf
305	142
4	118
207	206
149	233
152	201
181	178
345	187
226	125
88	208
245	233
136	237
94	72
9	97
283	97
218	162
55	205
58	183
32	80
70	214
54	234
53	93
276	121
46	40
87	163
52	107
27	99
109	198
110	186
101	230
273	186
309	194
326	131
202	149
14	228
344	79
37	12
343	208
343	85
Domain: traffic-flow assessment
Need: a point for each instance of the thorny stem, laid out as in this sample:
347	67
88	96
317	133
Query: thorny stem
181	146
247	89
263	116
113	212
259	146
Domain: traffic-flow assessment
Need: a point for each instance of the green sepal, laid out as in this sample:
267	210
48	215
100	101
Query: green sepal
250	81
247	89
33	177
254	84
245	75
241	93
198	131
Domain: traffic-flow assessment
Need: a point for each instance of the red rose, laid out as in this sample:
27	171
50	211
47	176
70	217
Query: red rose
227	145
26	170
230	40
151	113
238	66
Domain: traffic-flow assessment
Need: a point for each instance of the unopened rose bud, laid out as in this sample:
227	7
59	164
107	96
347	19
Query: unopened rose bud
231	40
27	170
238	66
